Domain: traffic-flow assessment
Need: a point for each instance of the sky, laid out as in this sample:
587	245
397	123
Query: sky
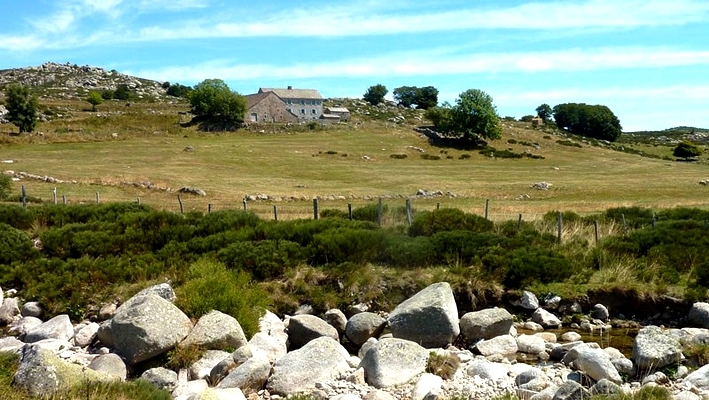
647	60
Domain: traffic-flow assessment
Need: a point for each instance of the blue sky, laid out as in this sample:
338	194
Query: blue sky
647	60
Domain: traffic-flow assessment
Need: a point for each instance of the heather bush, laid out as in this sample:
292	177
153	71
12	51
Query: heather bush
15	245
266	259
427	223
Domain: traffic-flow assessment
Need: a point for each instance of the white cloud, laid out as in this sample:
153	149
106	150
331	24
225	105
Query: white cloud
20	43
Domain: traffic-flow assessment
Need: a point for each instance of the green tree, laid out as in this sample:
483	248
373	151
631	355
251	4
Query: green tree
177	90
544	112
423	98
406	95
474	115
375	94
687	150
94	98
212	99
122	92
21	107
594	121
427	98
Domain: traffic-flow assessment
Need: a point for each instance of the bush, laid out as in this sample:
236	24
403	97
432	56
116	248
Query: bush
211	286
17	216
266	259
527	266
398	156
226	220
122	92
15	246
334	213
427	156
5	186
635	217
443	365
427	223
370	212
354	245
569	143
408	252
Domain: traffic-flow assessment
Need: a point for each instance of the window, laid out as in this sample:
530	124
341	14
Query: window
314	102
313	111
289	102
302	102
302	110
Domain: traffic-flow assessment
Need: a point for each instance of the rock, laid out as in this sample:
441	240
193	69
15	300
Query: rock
216	331
86	335
185	390
699	378
604	387
147	326
486	324
549	337
10	344
107	311
504	345
218	394
699	315
110	364
162	378
8	311
304	328
570	336
532	326
364	325
202	367
250	376
528	375
271	347
552	303
429	318
653	349
378	395
42	374
24	325
488	370
545	318
320	359
31	309
623	366
163	290
426	384
530	344
600	312
392	362
597	364
337	319
571	390
58	327
528	301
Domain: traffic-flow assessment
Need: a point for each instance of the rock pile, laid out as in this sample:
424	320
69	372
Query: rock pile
368	356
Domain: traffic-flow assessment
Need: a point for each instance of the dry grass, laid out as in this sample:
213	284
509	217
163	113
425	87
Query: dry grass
149	145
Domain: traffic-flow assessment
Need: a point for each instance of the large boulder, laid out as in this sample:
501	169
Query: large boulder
546	319
162	378
42	374
486	324
23	325
110	364
597	364
531	344
86	335
699	315
364	325
600	312
337	319
488	370
503	345
304	328
147	326
429	318
319	360
654	349
271	347
31	309
10	344
250	377
9	309
58	327
392	362
163	290
216	331
699	378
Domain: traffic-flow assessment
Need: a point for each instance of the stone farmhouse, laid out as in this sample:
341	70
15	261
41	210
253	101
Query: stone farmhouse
305	104
290	106
268	107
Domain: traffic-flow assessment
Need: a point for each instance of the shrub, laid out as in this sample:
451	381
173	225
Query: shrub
15	246
405	251
569	143
427	223
345	244
443	365
370	212
427	156
225	220
398	156
511	141
464	156
266	259
211	286
17	216
526	266
334	213
5	186
635	217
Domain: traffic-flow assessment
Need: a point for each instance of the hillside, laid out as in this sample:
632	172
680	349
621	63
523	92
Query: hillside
144	149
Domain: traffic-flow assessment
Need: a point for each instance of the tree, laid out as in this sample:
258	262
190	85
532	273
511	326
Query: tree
594	121
213	100
177	90
21	107
94	98
427	98
475	115
122	92
375	94
687	150
423	98
544	112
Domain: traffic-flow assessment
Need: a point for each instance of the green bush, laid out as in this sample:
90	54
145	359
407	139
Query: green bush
569	143
348	244
427	156
405	251
527	266
5	186
398	156
17	216
267	259
334	213
211	286
635	217
15	246
226	220
369	212
427	223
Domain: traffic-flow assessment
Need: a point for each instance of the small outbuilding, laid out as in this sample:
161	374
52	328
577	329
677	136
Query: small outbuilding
537	122
342	112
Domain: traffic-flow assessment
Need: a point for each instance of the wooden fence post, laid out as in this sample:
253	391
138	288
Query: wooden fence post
23	197
349	210
182	208
244	201
487	208
519	223
409	217
316	210
54	195
595	228
560	224
275	213
98	198
623	216
209	208
138	199
64	199
438	206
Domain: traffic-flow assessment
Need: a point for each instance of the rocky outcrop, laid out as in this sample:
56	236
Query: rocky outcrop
429	318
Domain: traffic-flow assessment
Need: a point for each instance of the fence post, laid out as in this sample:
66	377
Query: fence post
23	197
244	201
408	212
379	212
182	208
138	199
64	199
438	206
595	228
349	210
275	213
560	223
209	208
519	223
316	211
54	195
98	198
487	208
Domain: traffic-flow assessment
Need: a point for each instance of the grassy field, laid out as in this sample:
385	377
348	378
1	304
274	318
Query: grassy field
145	142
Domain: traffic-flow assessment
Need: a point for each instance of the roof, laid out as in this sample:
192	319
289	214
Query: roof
338	109
290	93
253	99
330	116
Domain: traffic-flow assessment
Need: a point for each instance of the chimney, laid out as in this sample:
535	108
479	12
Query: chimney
290	87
